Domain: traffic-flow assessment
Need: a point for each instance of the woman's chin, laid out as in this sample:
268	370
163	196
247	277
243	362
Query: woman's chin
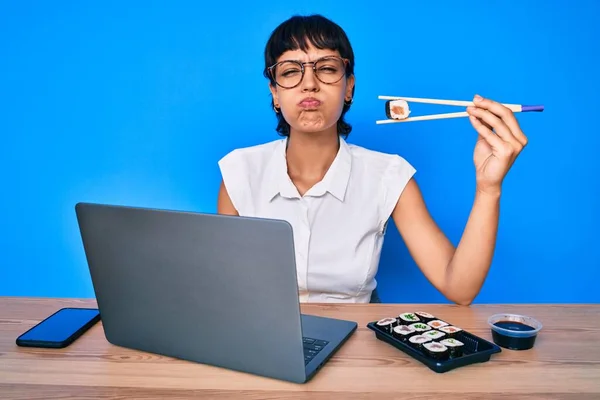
316	125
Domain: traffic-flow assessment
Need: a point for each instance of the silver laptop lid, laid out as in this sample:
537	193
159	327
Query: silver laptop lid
214	289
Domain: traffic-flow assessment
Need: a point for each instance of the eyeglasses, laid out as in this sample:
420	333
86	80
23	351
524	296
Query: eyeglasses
289	73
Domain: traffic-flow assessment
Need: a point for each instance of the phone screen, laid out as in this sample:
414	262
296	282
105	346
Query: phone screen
60	326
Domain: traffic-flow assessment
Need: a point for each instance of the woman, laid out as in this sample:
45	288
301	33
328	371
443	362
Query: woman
338	197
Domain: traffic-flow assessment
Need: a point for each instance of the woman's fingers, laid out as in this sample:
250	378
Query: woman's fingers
486	133
505	114
498	125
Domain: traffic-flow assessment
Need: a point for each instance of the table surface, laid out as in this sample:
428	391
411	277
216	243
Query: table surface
564	364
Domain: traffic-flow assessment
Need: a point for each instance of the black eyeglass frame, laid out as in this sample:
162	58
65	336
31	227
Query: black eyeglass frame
302	69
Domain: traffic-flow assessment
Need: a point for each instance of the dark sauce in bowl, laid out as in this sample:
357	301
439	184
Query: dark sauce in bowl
514	332
514	326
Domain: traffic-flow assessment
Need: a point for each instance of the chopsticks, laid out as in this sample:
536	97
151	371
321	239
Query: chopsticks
459	103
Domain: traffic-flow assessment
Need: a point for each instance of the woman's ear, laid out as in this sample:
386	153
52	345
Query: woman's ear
349	88
273	91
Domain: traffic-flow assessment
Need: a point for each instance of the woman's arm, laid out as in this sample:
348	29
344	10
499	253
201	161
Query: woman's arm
224	204
459	272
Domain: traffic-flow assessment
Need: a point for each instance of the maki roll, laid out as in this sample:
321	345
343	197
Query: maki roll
408	318
402	332
386	324
450	330
420	327
436	324
417	341
397	109
436	350
455	346
434	335
426	317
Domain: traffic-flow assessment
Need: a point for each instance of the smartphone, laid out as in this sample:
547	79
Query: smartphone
61	328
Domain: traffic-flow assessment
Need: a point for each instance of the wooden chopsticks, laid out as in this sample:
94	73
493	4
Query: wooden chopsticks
459	103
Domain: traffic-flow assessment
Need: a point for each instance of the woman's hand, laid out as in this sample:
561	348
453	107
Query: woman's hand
499	144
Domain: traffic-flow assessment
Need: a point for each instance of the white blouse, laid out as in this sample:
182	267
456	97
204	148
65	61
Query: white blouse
338	225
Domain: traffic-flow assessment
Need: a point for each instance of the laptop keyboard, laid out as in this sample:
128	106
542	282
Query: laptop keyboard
312	347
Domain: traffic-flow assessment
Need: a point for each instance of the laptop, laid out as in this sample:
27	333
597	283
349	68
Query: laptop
209	288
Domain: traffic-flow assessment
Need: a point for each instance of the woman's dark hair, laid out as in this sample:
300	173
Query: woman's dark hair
296	33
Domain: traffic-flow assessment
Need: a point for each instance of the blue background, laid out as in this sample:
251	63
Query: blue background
134	104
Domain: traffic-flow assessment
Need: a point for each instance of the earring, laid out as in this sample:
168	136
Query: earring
276	109
349	102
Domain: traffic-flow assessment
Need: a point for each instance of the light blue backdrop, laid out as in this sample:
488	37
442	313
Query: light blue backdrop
134	104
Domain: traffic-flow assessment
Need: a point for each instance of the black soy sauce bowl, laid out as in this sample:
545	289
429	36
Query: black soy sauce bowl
513	331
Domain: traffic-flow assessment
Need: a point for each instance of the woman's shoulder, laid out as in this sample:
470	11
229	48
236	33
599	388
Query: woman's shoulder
257	150
244	170
378	160
389	173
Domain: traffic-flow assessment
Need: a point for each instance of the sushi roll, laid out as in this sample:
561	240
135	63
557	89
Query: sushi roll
408	318
436	350
420	327
403	332
434	335
450	330
397	109
436	323
386	324
417	341
455	346
425	317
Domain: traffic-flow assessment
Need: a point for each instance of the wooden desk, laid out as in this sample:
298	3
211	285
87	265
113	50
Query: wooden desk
564	364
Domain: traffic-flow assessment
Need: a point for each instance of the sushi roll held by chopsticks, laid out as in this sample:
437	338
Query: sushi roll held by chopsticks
397	109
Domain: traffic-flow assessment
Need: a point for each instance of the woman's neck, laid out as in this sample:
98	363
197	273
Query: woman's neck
309	155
